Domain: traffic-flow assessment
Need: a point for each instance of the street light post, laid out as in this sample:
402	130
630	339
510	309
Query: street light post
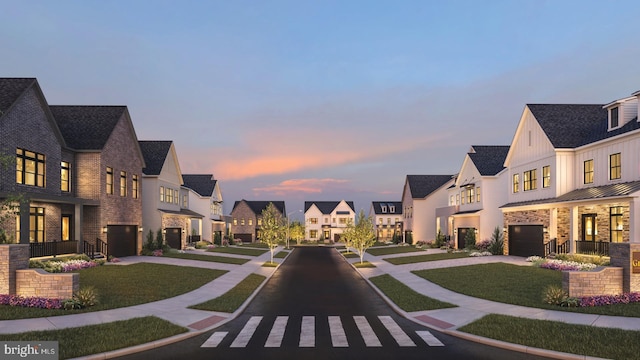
288	225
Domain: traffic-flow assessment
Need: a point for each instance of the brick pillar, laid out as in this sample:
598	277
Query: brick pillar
621	255
12	257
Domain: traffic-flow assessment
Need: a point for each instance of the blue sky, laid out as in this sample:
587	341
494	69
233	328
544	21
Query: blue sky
323	100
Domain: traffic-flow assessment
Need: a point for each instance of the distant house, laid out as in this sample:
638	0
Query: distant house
476	196
421	196
204	198
247	218
574	179
78	168
387	219
326	220
162	194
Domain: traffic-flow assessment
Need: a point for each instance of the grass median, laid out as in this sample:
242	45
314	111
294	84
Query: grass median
392	250
406	298
558	336
95	339
232	299
426	257
249	251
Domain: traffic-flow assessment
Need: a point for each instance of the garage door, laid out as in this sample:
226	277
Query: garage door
122	240
247	238
526	240
173	237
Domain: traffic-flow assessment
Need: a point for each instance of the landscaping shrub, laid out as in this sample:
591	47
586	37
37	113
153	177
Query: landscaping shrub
483	245
470	239
202	244
496	245
554	295
86	296
440	240
32	302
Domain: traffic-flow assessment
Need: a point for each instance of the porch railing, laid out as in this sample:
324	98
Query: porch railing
554	247
53	248
592	247
89	249
102	247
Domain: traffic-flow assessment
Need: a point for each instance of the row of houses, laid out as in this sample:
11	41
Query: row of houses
568	182
83	181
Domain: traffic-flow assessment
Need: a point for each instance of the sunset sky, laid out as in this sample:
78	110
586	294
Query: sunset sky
323	100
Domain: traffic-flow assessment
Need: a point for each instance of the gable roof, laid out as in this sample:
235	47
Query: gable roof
10	91
569	125
422	186
87	127
489	160
377	207
326	207
258	206
203	184
154	153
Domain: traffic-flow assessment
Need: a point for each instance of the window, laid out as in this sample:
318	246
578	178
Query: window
185	202
342	220
30	168
161	193
462	197
135	191
168	195
313	221
380	221
326	220
477	194
615	166
176	197
235	221
530	180
123	183
516	183
250	222
392	208
36	225
546	176
457	199
313	234
109	180
470	194
259	222
241	222
326	234
614	117
388	220
588	171
451	200
384	208
65	176
615	216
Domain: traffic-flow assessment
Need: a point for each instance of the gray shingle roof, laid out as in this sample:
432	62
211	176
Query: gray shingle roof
489	160
596	192
87	127
569	125
203	184
326	207
423	185
258	206
397	207
11	89
154	153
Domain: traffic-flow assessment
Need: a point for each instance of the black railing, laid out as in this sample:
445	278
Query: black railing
562	248
550	247
53	248
592	247
102	247
89	249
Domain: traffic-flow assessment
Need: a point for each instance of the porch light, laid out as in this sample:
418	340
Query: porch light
164	231
140	229
104	230
545	229
504	229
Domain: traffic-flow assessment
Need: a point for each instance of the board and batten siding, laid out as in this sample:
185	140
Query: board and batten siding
629	148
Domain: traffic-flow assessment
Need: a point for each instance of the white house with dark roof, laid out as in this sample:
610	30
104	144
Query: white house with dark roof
387	219
326	220
162	205
475	198
201	193
421	196
574	179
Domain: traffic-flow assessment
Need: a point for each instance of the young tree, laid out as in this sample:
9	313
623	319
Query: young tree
296	231
273	227
363	236
348	234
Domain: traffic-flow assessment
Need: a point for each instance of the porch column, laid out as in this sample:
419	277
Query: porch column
77	226
573	231
25	207
634	220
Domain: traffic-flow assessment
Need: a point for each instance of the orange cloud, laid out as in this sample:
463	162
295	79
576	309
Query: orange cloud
308	186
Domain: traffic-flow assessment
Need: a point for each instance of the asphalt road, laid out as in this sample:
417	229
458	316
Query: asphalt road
317	307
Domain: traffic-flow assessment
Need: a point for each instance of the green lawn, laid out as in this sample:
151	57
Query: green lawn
126	285
364	264
558	336
405	297
232	299
281	254
424	258
513	284
94	339
211	258
239	250
392	250
350	255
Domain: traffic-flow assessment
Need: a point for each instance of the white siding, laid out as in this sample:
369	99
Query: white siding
629	149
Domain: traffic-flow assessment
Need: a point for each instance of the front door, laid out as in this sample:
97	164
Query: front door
589	227
66	227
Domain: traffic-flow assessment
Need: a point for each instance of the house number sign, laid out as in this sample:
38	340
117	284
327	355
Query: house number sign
635	262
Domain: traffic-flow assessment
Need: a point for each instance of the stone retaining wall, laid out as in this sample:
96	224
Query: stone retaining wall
37	282
600	281
12	257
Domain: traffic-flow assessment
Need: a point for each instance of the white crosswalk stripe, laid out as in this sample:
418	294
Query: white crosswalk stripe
308	333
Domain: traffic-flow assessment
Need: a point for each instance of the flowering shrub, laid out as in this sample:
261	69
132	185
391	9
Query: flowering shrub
157	252
58	266
560	265
114	260
422	243
609	299
237	241
483	245
480	253
211	246
32	302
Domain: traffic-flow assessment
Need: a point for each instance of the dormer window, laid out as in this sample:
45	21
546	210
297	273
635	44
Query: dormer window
392	208
384	208
613	118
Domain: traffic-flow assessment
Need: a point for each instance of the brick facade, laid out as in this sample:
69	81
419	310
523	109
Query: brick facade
37	282
621	254
600	281
12	258
240	213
